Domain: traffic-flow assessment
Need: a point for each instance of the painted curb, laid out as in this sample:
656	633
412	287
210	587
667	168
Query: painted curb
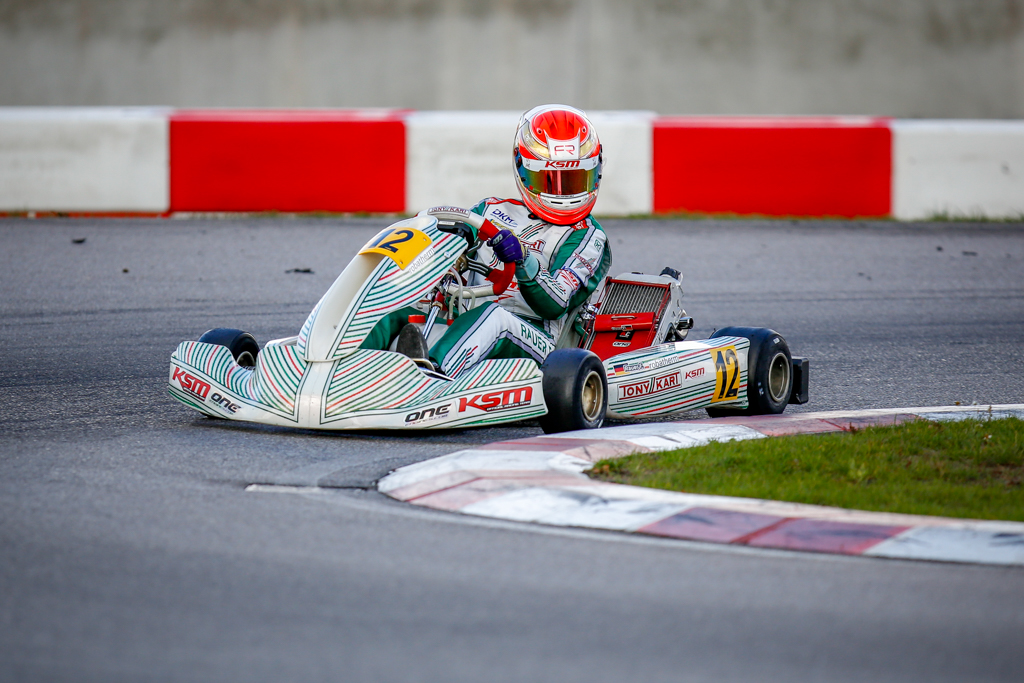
541	479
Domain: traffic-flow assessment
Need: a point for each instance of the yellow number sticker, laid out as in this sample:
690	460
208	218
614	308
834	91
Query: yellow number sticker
401	245
727	374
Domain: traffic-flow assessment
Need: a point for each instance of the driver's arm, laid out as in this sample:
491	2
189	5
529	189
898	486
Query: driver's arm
577	269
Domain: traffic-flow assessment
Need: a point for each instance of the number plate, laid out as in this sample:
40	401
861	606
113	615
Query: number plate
401	245
727	374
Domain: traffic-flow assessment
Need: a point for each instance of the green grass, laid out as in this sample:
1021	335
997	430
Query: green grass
973	468
946	217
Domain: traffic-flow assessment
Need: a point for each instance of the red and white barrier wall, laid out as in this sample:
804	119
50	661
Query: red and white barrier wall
111	160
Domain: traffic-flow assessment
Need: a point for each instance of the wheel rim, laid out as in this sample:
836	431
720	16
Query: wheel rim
778	377
592	396
246	360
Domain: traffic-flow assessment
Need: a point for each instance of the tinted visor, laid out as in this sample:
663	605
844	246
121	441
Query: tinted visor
574	181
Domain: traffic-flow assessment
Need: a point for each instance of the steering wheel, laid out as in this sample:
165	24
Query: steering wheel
485	230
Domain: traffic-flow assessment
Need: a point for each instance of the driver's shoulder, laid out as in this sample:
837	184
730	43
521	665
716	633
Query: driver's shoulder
508	213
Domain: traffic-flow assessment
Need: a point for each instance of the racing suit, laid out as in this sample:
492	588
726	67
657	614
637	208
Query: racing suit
563	266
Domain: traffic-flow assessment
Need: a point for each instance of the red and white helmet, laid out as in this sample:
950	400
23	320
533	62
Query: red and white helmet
558	159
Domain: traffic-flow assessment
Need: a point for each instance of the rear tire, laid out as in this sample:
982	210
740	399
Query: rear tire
575	391
769	372
242	345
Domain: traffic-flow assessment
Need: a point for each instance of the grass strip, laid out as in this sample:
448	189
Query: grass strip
973	468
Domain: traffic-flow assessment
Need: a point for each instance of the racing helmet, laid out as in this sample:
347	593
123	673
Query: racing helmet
557	158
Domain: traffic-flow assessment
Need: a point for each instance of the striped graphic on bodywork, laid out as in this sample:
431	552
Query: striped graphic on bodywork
374	382
272	385
387	288
390	288
684	397
502	374
307	327
493	372
278	376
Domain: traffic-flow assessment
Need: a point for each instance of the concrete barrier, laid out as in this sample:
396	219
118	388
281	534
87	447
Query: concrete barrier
958	169
779	166
277	160
83	159
103	160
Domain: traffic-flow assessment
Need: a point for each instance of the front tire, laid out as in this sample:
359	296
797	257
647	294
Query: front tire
769	372
575	391
242	345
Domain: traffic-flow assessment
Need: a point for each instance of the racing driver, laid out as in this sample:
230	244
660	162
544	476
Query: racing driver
560	252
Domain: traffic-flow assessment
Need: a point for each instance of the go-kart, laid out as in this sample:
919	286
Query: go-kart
631	360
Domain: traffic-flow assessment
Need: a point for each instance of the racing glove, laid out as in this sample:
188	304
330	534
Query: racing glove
507	247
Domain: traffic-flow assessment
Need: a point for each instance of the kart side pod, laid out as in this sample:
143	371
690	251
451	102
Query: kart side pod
636	311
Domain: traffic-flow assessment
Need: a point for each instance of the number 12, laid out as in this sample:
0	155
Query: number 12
399	236
727	366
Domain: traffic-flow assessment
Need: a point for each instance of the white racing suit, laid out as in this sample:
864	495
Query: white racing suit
564	264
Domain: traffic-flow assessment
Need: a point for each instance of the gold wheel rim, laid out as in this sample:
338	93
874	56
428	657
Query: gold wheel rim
778	377
592	396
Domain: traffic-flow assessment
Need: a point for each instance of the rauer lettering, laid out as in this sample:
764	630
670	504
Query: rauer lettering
428	414
498	400
649	386
533	336
191	383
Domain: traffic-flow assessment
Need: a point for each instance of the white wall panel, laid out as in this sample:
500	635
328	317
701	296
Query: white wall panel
958	168
628	183
458	157
84	159
461	157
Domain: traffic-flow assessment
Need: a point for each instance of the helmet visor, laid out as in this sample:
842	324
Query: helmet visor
576	179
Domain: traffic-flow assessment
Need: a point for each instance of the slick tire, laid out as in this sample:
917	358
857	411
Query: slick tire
575	391
769	372
242	345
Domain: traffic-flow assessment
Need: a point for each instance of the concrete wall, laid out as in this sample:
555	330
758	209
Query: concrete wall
904	58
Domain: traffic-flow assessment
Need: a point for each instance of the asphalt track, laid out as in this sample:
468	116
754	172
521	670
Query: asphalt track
130	550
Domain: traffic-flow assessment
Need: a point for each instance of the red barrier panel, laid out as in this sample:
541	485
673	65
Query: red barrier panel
224	160
837	166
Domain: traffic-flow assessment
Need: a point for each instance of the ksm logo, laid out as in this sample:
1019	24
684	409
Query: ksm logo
648	386
191	383
498	400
